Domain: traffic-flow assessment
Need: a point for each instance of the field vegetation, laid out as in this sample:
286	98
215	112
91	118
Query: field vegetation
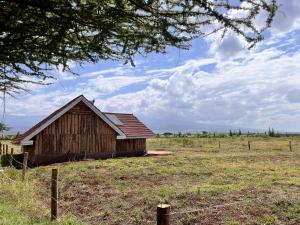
203	183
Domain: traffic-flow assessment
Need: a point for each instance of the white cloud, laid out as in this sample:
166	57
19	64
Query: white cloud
259	91
286	20
63	75
229	47
108	85
115	71
287	17
192	64
41	103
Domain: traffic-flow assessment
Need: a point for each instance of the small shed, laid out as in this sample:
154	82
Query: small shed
80	130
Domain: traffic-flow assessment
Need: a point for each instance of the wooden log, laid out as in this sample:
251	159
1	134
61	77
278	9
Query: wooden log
24	166
11	157
54	194
163	214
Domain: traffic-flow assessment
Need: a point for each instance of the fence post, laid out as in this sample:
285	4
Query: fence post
54	194
290	142
11	157
24	166
249	145
163	214
219	145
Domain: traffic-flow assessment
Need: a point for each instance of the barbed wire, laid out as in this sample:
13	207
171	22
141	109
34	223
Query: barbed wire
214	207
2	171
7	177
46	178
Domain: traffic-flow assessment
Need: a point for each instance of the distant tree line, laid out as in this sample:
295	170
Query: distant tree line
232	133
4	128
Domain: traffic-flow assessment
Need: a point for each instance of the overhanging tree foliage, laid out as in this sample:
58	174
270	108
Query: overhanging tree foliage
3	128
38	36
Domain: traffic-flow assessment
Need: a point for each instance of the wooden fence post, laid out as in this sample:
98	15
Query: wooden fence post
290	142
24	166
54	194
11	157
249	145
163	214
219	145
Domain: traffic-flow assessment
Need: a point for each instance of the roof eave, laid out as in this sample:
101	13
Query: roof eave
134	137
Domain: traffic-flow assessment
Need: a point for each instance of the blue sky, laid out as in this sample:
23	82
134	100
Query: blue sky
216	85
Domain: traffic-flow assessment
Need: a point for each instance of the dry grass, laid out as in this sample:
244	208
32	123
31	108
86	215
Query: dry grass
264	184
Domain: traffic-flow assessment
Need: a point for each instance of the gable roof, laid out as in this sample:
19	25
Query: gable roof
131	126
29	134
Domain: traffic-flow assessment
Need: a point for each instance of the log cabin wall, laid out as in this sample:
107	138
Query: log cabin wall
131	147
79	132
29	149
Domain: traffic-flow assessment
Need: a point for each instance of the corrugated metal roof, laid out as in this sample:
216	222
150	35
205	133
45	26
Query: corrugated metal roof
132	126
114	119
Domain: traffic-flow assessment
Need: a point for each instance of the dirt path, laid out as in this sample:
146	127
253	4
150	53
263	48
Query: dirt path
158	152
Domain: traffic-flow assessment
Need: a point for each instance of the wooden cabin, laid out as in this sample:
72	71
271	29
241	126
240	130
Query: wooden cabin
80	130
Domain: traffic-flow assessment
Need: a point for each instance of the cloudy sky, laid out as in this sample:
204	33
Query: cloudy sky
216	85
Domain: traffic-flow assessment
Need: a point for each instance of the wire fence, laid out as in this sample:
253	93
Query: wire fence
62	206
127	220
46	178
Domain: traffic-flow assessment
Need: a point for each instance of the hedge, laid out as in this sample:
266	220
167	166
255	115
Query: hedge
16	162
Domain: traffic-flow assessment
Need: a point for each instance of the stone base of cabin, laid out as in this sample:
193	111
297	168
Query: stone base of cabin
50	159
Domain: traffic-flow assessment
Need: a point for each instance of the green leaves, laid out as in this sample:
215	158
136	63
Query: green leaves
38	36
3	127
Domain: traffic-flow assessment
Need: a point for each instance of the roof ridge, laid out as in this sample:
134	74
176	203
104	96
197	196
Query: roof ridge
117	113
44	120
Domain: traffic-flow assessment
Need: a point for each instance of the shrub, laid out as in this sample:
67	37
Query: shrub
16	161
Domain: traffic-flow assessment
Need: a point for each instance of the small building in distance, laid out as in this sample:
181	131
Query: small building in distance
80	130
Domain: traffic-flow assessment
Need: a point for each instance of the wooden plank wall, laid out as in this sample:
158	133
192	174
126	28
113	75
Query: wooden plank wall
80	131
128	145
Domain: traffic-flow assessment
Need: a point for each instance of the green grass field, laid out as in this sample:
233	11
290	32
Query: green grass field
260	186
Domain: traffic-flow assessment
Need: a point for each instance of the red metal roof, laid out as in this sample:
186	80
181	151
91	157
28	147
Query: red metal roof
131	126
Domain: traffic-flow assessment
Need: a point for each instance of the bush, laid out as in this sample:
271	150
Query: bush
8	137
16	162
